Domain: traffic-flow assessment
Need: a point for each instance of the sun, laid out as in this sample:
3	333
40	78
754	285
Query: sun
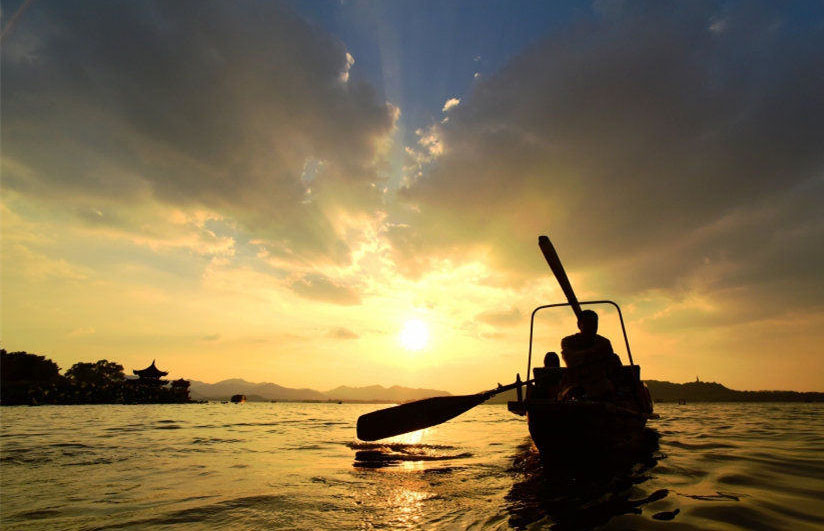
415	335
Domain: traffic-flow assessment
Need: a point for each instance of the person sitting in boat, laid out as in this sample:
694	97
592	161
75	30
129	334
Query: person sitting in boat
590	360
551	360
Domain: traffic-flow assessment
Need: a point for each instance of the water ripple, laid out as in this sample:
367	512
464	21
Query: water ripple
720	466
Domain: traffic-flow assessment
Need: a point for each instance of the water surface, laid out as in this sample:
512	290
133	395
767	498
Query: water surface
262	465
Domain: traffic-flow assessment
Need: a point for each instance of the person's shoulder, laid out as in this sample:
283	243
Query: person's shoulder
602	341
570	340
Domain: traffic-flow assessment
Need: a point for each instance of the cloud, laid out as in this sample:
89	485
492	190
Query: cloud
658	152
341	333
450	103
200	105
505	318
19	260
322	288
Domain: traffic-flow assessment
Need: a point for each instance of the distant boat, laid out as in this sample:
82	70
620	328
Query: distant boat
238	399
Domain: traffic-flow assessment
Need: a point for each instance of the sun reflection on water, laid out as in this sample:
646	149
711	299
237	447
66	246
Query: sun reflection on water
409	504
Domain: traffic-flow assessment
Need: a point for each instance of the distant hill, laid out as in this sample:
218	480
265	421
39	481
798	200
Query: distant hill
660	391
269	391
702	392
223	390
716	392
395	393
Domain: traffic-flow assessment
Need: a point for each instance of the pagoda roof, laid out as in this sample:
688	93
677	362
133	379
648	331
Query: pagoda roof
150	372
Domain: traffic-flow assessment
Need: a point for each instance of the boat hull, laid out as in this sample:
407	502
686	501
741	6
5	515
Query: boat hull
584	427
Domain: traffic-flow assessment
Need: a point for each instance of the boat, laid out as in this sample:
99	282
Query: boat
577	423
238	399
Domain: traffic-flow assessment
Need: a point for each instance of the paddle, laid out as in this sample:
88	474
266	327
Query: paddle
421	414
555	264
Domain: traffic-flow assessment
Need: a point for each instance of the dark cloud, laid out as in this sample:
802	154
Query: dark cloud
322	288
220	104
661	145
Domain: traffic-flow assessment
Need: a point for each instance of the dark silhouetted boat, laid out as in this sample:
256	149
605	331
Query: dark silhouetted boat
238	399
577	425
563	423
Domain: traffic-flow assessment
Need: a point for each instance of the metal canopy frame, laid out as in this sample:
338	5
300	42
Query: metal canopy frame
582	303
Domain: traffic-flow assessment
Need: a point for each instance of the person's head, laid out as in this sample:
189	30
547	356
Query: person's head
588	323
551	360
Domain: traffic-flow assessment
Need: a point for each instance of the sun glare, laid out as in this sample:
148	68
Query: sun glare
415	335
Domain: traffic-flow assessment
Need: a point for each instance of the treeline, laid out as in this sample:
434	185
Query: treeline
29	379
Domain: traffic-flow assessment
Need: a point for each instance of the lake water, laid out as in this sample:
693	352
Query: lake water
281	465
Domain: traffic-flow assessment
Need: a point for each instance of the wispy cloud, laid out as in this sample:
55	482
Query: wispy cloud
80	332
504	318
320	287
342	333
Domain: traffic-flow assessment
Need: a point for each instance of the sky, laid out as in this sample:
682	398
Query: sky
324	193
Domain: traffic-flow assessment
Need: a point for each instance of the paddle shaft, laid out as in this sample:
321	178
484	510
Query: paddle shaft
421	414
555	264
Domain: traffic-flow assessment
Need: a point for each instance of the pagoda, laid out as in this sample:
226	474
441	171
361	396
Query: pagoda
150	374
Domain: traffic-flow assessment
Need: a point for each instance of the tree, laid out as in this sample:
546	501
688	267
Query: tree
101	373
28	378
22	366
97	383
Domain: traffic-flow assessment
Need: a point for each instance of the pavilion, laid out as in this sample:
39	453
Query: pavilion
150	373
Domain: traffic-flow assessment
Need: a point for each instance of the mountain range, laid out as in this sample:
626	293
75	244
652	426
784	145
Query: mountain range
660	391
269	391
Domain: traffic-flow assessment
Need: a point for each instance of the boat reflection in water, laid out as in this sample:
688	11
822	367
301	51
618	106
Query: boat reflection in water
581	491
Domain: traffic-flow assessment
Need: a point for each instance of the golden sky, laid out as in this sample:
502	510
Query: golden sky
225	188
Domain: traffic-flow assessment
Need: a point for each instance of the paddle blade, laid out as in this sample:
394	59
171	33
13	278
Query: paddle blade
558	269
414	415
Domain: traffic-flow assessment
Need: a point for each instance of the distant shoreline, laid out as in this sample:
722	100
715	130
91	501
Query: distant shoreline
708	392
30	379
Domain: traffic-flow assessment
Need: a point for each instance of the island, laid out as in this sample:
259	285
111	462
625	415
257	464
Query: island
29	379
